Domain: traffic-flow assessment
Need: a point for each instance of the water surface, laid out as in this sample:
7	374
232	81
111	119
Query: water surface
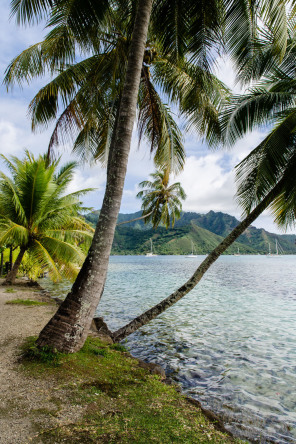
231	342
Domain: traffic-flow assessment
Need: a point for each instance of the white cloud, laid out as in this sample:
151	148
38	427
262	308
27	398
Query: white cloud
207	185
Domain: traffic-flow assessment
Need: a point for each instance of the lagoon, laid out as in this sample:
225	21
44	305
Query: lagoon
231	342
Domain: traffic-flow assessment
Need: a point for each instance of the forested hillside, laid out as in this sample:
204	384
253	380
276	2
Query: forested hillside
204	230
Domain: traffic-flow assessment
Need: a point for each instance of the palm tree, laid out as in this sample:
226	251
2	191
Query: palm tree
198	33
161	202
266	177
68	329
38	217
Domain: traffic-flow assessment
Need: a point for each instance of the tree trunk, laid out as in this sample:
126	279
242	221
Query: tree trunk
134	220
153	312
10	278
10	258
1	263
68	329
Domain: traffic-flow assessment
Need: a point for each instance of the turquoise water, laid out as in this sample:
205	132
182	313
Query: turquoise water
231	342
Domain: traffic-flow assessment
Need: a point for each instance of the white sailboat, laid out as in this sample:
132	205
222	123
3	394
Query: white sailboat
192	254
238	253
151	254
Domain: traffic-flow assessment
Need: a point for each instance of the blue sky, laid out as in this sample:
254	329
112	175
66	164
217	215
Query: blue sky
208	176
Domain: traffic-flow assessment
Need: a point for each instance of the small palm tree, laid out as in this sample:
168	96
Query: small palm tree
38	217
161	201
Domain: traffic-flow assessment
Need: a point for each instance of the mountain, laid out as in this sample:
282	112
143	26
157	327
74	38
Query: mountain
206	231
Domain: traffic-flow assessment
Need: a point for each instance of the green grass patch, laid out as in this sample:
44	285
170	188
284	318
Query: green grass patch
28	302
118	347
43	355
122	402
10	290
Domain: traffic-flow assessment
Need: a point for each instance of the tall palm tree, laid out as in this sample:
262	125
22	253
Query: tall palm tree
68	329
38	217
198	33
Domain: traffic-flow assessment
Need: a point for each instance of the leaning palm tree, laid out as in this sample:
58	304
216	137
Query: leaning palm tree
197	33
38	217
266	177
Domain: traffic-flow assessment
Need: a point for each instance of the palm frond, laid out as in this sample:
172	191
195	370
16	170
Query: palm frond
259	172
29	11
157	124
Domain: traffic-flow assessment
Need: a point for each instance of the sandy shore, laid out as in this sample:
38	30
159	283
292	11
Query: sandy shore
21	395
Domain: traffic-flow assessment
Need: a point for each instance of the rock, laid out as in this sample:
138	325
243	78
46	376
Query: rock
215	420
102	331
170	381
102	327
154	369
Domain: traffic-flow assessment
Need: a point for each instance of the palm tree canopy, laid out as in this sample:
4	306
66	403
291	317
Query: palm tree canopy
161	202
271	102
89	90
37	215
184	40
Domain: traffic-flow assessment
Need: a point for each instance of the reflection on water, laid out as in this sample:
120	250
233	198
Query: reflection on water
231	342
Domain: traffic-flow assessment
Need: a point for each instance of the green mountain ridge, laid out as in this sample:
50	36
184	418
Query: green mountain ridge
205	231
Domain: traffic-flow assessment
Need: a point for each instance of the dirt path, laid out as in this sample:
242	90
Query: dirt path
22	399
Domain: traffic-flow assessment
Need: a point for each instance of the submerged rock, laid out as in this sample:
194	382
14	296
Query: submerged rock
154	369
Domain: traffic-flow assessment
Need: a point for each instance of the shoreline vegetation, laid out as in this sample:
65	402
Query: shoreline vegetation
100	394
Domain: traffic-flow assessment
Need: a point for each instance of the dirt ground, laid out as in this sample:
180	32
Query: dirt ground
25	402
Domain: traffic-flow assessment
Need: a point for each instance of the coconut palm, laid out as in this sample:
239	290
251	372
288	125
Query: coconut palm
38	217
161	202
198	32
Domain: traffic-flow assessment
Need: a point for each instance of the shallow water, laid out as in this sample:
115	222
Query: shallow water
231	342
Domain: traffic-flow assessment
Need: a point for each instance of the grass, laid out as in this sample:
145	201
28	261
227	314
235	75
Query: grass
122	403
27	302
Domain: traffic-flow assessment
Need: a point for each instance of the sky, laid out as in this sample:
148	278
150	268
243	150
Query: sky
208	176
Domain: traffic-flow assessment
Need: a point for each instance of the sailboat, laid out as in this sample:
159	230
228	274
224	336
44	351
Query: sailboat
150	254
192	254
270	254
238	253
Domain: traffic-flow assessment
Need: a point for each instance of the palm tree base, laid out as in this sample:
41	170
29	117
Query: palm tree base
67	329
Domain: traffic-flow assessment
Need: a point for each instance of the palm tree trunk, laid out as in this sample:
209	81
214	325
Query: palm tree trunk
153	312
134	220
10	258
68	329
11	276
1	263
